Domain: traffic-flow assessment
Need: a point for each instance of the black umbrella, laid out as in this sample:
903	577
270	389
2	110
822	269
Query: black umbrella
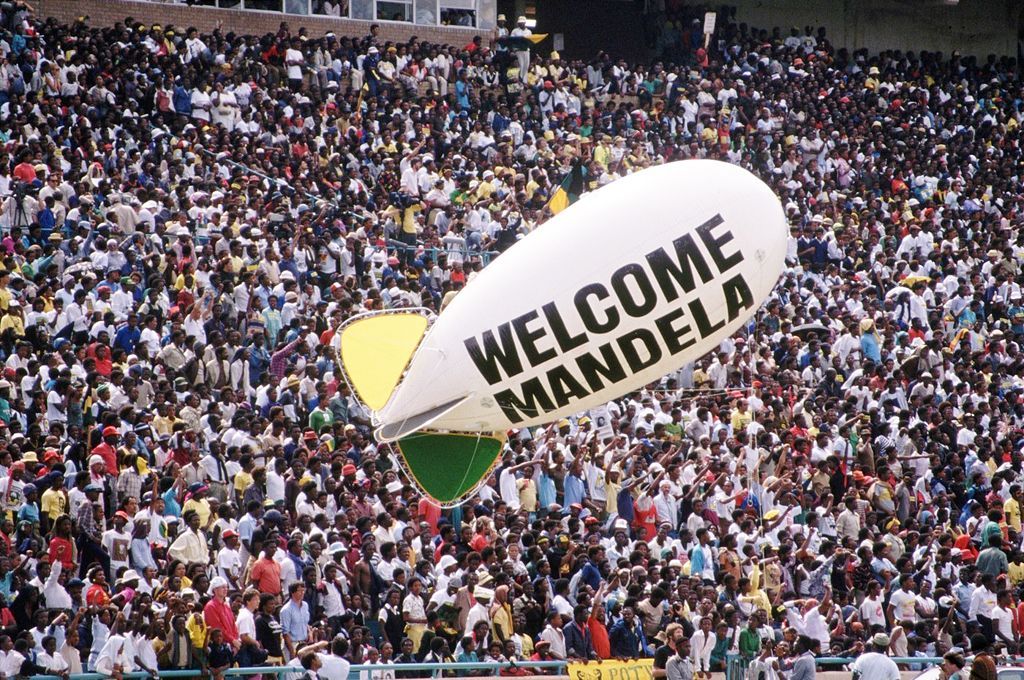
804	332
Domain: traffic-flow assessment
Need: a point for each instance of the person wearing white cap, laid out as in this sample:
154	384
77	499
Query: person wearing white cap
875	665
522	56
480	611
218	614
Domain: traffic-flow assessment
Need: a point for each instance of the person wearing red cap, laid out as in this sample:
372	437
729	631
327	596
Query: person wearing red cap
10	488
116	541
108	450
229	561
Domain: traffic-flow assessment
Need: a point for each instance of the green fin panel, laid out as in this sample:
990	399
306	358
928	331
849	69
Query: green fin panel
449	466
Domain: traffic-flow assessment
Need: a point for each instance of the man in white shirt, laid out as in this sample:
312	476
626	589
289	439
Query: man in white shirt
667	505
553	636
522	56
871	610
229	562
875	665
333	666
1002	619
294	61
480	611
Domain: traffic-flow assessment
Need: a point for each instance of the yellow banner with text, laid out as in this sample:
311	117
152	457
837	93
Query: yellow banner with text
635	669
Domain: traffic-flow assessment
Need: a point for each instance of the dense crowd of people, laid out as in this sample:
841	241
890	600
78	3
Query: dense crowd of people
187	481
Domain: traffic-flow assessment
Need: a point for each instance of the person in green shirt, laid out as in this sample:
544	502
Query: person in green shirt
992	560
320	417
467	654
750	640
993	527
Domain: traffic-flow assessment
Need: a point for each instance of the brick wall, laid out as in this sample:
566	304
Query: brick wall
108	12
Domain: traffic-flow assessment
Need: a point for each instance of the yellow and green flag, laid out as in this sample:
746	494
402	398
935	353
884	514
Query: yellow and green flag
569	190
522	42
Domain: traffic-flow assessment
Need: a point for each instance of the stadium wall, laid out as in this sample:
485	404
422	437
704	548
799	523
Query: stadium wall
109	12
975	27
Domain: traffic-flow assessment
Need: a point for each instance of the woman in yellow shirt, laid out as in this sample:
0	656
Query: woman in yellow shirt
12	320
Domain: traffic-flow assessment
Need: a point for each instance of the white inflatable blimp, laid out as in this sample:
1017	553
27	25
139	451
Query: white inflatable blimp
613	293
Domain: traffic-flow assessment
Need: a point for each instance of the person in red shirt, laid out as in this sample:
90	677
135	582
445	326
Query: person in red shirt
483	536
217	612
61	548
598	630
429	512
266	572
98	594
24	171
108	449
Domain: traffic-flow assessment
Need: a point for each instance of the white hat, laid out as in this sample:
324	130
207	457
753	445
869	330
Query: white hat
394	487
337	547
287	276
372	50
218	582
129	575
482	593
521	20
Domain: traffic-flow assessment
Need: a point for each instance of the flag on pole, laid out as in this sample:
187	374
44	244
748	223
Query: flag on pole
522	42
569	190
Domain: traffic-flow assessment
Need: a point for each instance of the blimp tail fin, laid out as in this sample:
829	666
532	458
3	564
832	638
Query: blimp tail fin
376	350
449	466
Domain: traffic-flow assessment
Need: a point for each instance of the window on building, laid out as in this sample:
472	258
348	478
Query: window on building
362	9
458	13
296	6
426	12
229	4
331	8
394	10
265	5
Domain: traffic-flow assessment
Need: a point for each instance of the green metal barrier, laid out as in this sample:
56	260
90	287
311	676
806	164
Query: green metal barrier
736	666
435	670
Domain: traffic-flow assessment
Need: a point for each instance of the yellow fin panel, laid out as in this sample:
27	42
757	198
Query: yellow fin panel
376	350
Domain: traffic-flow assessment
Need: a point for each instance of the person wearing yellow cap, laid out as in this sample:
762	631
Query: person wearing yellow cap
501	53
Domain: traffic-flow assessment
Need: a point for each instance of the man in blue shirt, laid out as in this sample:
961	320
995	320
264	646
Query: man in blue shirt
575	486
627	637
128	335
295	619
591	574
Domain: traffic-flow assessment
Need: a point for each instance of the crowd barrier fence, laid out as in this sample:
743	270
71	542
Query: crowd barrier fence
736	668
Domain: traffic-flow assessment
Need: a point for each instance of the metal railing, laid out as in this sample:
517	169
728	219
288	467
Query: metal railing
467	253
435	670
736	665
